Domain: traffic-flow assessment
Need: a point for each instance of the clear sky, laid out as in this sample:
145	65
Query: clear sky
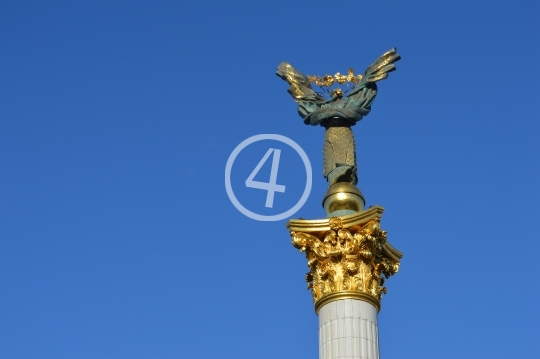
118	240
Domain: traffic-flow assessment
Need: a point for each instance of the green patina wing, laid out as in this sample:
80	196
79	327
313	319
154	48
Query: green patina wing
300	88
382	66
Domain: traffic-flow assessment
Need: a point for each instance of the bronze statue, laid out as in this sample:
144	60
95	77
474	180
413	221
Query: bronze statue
339	113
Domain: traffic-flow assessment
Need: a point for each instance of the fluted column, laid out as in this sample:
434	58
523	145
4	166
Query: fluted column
348	330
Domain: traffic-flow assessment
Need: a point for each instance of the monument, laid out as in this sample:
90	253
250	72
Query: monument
347	252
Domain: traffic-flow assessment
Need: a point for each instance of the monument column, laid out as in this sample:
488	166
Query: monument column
347	253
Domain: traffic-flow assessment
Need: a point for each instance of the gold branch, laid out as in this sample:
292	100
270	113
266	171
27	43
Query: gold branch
329	80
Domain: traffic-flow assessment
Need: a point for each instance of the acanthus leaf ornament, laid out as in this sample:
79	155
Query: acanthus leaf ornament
356	259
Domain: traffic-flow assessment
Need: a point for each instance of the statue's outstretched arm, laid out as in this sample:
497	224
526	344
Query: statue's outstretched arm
300	88
378	70
382	66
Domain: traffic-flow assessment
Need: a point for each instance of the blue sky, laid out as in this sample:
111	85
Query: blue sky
118	240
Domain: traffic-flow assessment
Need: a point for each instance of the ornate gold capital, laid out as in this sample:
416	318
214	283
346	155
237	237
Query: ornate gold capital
348	257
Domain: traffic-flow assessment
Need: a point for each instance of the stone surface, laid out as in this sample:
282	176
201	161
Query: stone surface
348	330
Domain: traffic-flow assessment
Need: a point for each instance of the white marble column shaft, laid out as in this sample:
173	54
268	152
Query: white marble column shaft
348	330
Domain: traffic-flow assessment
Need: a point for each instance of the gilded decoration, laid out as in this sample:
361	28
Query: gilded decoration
347	260
347	252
